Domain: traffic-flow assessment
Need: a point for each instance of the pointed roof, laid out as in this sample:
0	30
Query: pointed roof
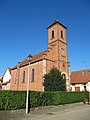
55	22
81	76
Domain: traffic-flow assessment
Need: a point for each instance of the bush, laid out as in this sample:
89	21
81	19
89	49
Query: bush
68	97
45	99
54	81
11	100
34	99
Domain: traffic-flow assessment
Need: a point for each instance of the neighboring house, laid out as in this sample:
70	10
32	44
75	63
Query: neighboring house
80	80
6	79
1	80
55	56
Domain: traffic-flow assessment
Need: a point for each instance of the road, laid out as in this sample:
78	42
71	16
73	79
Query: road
67	112
82	113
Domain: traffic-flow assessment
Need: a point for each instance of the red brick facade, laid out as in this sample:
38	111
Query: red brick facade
56	55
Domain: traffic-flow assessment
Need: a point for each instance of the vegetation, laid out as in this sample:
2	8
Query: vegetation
10	100
54	81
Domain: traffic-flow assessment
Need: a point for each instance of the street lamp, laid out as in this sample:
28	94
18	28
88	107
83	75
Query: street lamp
29	58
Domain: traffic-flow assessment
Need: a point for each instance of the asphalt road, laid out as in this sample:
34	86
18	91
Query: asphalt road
76	114
66	112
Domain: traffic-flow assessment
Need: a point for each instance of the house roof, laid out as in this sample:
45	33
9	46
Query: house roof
35	58
81	76
57	21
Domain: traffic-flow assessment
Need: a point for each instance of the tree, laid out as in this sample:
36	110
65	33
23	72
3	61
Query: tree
54	81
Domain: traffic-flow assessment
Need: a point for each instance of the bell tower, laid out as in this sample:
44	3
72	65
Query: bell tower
57	47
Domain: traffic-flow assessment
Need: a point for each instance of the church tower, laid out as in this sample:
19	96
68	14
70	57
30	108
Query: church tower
57	50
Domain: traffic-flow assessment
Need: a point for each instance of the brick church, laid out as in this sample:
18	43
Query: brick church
56	55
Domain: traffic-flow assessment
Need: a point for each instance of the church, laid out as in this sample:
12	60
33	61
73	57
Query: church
56	55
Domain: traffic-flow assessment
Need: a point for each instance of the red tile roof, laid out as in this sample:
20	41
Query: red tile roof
35	58
82	76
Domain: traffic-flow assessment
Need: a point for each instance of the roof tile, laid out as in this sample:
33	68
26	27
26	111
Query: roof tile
82	76
35	58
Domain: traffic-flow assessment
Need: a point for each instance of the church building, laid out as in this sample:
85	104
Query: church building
56	55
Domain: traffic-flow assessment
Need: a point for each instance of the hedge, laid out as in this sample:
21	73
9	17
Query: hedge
68	97
11	100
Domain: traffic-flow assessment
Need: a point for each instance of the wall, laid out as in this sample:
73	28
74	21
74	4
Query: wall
6	87
17	77
81	86
88	86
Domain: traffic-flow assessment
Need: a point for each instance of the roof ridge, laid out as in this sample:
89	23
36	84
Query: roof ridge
80	70
35	57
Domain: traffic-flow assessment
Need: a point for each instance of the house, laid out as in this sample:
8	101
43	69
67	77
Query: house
1	80
80	80
6	79
56	55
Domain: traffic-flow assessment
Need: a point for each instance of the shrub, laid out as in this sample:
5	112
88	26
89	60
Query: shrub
12	100
45	99
68	97
34	99
17	99
54	81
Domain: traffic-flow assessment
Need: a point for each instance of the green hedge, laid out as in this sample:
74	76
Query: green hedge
12	100
17	99
68	97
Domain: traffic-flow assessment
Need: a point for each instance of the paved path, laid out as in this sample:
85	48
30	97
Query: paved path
77	111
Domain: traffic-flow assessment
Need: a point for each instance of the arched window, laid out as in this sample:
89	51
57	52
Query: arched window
32	75
61	34
52	34
23	80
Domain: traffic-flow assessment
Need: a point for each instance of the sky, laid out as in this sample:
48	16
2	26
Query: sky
23	29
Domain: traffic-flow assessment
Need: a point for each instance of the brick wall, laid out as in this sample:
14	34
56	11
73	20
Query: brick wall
17	77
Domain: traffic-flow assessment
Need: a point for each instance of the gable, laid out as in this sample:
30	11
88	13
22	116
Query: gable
7	75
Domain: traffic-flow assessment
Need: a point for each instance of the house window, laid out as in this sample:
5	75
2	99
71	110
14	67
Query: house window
52	34
61	34
23	81
32	75
85	87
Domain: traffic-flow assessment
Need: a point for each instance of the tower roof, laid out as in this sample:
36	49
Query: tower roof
57	21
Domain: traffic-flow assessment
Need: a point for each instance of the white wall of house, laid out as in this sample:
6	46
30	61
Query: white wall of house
7	76
72	87
6	87
88	86
3	87
81	86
